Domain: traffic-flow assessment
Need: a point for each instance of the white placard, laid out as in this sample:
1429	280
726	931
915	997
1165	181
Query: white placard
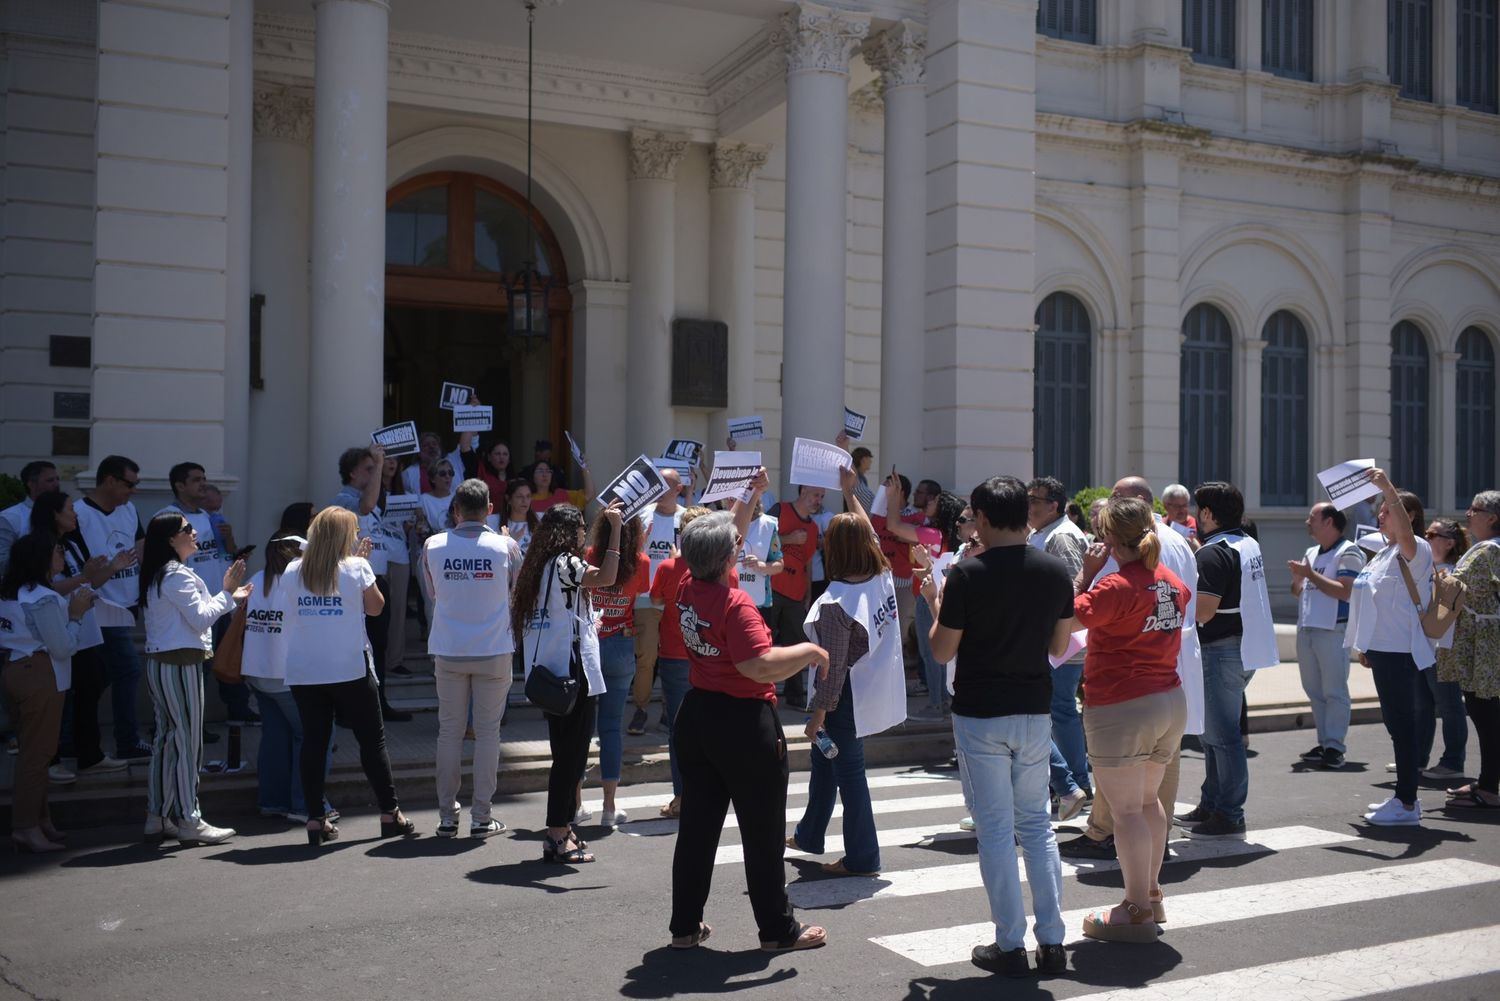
401	508
683	448
577	451
1078	641
747	429
682	466
817	463
475	418
1348	483
397	439
637	485
1369	537
733	474
854	424
455	395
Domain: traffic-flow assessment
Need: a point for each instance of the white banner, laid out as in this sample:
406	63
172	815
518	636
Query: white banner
1348	483
746	429
477	418
455	395
733	474
854	424
682	466
397	439
817	463
638	485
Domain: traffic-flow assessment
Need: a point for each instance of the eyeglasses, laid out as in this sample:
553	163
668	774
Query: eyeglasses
965	520
132	484
186	529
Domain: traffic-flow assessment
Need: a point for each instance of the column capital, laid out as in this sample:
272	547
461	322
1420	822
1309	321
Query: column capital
899	55
382	4
283	113
818	38
734	164
654	156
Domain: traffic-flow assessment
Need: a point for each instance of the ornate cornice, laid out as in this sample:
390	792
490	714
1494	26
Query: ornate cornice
283	113
654	156
733	164
819	39
899	55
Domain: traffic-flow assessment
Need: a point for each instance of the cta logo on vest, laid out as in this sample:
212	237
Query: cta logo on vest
468	568
317	604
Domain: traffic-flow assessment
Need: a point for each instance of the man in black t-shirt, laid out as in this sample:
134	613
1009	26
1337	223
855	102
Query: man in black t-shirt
1001	613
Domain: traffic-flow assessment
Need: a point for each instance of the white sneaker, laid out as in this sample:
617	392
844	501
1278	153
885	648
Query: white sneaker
158	829
583	816
59	775
203	833
1393	813
967	824
1391	767
105	764
612	818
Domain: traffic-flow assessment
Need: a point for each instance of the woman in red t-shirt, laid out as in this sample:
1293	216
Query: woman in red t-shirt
1135	706
671	655
729	742
616	607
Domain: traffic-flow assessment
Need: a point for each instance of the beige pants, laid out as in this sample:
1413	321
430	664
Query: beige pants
487	683
1102	823
399	576
647	646
37	708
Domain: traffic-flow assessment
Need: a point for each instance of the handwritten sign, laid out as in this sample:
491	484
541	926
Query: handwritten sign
746	429
683	448
473	418
1348	483
733	474
637	485
854	424
397	439
455	395
817	463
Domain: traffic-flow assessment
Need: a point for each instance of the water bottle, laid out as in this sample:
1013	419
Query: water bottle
824	742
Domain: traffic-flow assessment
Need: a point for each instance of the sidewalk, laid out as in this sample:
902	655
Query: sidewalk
1275	697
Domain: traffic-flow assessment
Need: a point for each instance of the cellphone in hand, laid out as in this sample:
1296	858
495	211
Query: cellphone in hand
243	553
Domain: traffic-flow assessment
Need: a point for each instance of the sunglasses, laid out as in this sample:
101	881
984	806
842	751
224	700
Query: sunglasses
965	520
186	529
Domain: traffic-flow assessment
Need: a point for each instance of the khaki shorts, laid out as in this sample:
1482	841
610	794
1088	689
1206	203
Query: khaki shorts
1132	733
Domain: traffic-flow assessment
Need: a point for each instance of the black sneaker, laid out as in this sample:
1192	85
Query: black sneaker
637	723
1051	959
447	830
1333	758
1196	815
1218	826
1314	753
1007	964
1086	847
140	752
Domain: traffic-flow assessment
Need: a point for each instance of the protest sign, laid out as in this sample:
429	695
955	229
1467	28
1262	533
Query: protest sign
476	418
401	508
397	439
746	429
637	485
1077	642
455	395
817	463
682	466
1369	537
577	452
733	474
683	448
1348	483
854	424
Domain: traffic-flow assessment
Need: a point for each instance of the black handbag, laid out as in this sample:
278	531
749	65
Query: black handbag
551	694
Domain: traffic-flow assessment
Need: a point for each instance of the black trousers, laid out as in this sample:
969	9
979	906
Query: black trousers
731	750
569	736
784	619
1486	716
89	683
378	629
357	704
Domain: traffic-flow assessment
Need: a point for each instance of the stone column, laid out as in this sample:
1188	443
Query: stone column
1155	367
279	271
600	311
1247	444
653	261
237	271
818	42
981	287
1367	312
348	235
731	267
1111	440
1444	467
899	55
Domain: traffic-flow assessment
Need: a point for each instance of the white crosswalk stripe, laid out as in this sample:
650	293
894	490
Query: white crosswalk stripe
902	780
940	946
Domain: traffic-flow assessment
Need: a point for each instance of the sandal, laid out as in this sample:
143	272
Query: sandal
840	869
398	826
1139	928
806	937
694	940
1471	800
791	842
1158	911
559	852
672	810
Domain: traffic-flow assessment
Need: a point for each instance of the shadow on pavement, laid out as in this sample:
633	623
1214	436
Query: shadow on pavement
292	851
109	858
668	972
534	874
1097	964
1415	841
1304	767
428	847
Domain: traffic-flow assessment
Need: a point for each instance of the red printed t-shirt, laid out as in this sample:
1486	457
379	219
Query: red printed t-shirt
721	627
1134	618
792	581
664	590
616	603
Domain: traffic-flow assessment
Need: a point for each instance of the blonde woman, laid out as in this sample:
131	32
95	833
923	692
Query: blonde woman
324	598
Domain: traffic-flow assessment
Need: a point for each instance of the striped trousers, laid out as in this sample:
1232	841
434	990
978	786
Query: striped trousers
177	748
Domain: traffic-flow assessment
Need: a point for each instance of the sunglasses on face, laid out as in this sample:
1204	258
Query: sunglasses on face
186	529
965	520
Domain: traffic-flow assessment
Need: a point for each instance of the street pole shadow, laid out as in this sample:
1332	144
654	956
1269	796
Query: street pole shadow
668	972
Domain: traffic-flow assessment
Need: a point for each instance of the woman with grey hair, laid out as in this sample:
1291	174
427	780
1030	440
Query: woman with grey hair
1474	658
729	741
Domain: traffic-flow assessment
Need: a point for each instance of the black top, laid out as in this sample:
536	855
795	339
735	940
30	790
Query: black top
1219	575
1007	601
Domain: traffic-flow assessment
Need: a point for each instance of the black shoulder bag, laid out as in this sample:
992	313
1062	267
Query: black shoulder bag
551	694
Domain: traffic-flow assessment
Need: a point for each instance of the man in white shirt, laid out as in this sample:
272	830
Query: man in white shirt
37	478
1323	580
663	529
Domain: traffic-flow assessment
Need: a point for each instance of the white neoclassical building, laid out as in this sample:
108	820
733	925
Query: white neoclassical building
1185	238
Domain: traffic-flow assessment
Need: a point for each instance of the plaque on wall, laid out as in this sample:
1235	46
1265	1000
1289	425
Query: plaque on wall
700	364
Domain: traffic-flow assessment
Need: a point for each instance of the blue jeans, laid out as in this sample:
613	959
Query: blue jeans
122	666
674	685
1444	699
936	672
1323	661
617	660
277	771
1397	682
842	778
1226	771
1004	761
1067	730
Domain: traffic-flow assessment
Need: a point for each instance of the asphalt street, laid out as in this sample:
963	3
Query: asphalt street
1313	906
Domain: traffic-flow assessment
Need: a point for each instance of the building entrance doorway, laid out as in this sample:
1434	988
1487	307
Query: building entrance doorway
454	245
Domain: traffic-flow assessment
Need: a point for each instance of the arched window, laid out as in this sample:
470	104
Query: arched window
1475	461
1284	420
1206	411
1062	413
1410	388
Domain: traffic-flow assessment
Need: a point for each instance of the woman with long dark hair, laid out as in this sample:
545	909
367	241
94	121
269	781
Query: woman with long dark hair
943	514
493	467
40	629
180	612
517	517
551	611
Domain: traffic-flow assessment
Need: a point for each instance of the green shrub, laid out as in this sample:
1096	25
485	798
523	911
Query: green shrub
1088	495
11	491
